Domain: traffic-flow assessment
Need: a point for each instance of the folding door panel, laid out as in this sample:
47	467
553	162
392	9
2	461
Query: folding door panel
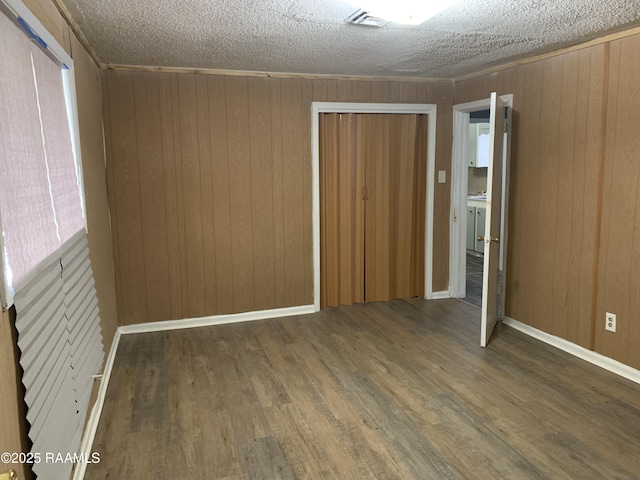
372	204
395	206
342	212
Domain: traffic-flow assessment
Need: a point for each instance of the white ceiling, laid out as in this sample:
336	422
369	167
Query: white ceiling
310	36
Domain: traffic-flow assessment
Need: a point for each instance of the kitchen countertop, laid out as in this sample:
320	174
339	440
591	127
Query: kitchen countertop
477	201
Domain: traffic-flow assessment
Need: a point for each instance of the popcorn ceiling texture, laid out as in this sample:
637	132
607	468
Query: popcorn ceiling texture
310	36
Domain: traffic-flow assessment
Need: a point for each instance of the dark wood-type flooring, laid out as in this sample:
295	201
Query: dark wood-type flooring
397	390
475	265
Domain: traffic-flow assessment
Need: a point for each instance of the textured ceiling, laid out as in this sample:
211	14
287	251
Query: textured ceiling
310	36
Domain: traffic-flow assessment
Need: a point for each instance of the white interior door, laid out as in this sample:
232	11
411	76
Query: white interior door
490	288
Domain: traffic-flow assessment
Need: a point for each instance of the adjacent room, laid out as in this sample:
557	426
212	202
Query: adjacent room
298	239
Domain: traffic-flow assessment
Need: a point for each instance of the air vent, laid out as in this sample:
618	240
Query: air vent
362	17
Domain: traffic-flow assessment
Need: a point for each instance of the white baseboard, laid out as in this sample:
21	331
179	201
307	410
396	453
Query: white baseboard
92	424
216	320
440	295
585	354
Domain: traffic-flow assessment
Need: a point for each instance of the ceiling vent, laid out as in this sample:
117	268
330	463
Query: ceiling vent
362	17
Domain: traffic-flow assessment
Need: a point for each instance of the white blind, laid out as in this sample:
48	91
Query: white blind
59	336
28	226
63	179
40	201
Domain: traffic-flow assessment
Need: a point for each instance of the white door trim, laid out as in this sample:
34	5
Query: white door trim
337	107
459	179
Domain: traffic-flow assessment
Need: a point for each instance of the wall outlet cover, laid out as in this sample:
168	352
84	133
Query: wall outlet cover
610	322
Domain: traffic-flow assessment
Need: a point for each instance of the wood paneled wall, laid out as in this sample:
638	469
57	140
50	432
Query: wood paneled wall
89	99
574	220
13	424
210	188
619	265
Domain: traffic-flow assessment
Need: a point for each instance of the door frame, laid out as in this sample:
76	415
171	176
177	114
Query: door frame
459	180
399	108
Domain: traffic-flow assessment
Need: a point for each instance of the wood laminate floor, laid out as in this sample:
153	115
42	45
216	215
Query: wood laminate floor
475	266
397	390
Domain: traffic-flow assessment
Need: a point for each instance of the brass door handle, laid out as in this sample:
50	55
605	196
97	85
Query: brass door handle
493	239
10	475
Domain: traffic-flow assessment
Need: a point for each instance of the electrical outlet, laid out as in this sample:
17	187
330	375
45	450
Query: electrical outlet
610	322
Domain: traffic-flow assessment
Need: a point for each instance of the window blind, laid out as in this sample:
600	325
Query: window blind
28	226
59	337
40	200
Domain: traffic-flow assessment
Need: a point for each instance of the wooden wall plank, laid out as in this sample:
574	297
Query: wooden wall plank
180	194
221	219
564	292
192	193
293	173
240	182
380	92
574	217
173	228
442	95
547	179
50	17
111	195
320	90
593	169
92	144
13	423
152	195
206	197
277	173
524	243
130	272
361	91
307	193
344	90
261	188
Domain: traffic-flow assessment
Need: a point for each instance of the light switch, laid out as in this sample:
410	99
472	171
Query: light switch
442	176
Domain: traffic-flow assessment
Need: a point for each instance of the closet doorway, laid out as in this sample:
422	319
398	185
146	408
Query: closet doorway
373	169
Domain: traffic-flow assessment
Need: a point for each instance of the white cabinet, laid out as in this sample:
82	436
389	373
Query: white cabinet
475	227
471	228
479	145
481	215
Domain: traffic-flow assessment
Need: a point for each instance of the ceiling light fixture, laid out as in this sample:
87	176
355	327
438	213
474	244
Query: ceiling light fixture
407	12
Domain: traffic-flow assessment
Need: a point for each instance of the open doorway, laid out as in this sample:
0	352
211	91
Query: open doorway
469	205
477	162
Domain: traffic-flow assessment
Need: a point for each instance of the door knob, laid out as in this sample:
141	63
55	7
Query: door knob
493	239
9	475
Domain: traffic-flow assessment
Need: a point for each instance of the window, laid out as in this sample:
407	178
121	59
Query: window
40	195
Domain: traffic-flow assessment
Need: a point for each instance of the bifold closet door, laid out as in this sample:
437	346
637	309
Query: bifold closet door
341	212
372	207
396	153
